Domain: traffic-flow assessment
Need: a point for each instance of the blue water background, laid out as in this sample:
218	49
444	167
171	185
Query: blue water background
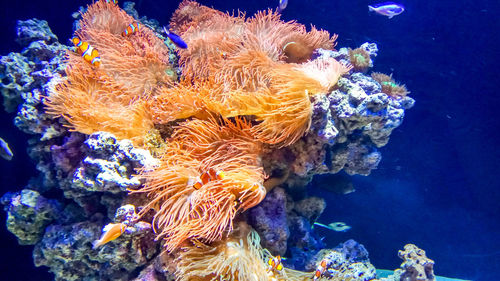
438	184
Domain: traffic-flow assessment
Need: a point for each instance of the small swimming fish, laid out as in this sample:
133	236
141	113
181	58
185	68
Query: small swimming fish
176	39
320	269
112	1
282	5
131	29
110	232
336	226
389	9
89	54
275	264
5	151
206	177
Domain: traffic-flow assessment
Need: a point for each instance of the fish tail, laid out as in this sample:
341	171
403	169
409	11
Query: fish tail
371	9
96	244
166	30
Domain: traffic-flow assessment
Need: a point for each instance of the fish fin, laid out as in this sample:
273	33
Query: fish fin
166	30
107	227
371	9
390	17
96	244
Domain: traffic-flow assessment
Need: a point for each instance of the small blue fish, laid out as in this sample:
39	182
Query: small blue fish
5	151
176	39
388	9
282	5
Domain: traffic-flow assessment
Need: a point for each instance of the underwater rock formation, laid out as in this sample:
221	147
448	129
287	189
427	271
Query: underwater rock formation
338	266
353	251
416	266
24	77
28	213
67	250
347	127
269	219
303	243
109	164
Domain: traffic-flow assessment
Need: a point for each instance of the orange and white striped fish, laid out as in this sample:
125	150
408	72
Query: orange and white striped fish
206	177
131	29
320	269
110	232
89	53
274	263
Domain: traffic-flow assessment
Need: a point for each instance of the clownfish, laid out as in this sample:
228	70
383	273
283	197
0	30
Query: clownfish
197	184
275	264
88	53
215	175
110	232
131	29
206	177
320	269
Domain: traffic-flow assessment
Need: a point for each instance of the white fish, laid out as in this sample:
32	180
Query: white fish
389	9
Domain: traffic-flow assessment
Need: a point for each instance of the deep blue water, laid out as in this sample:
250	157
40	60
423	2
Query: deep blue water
437	185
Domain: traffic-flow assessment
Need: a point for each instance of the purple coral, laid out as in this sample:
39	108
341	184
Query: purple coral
269	219
353	251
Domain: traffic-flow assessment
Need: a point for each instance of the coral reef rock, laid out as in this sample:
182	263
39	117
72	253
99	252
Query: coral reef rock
24	77
67	251
269	219
28	213
109	164
339	267
416	266
348	125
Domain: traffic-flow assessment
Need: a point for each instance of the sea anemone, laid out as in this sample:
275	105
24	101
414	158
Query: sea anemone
360	59
205	212
238	257
389	86
90	103
138	62
111	96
